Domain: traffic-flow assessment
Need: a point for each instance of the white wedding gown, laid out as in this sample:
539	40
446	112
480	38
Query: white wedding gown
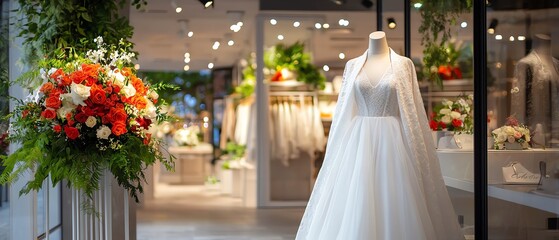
372	188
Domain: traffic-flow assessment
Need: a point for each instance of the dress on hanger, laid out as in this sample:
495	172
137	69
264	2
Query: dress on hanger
380	178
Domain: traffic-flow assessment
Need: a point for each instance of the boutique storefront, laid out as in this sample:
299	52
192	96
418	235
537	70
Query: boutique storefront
254	103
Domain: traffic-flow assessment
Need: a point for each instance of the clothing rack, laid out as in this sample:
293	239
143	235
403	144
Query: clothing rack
300	94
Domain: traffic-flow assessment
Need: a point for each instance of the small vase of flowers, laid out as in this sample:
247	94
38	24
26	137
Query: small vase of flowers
512	136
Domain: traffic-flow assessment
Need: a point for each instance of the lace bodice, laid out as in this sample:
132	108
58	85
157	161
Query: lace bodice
376	100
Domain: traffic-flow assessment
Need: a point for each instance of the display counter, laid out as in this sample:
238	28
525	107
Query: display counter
192	165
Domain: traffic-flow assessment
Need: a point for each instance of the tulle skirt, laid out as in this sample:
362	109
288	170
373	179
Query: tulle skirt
372	190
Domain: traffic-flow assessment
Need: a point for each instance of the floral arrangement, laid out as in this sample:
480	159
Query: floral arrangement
91	113
4	144
187	136
512	132
456	116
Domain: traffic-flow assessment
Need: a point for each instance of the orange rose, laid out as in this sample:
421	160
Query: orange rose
57	74
49	113
119	128
65	81
53	102
97	94
78	77
139	102
118	115
139	86
147	139
47	87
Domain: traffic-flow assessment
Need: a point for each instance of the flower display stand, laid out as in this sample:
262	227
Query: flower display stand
193	163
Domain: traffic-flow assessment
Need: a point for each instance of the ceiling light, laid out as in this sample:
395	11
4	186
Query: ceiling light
341	55
417	5
296	24
187	60
186	67
240	23
326	68
280	37
511	38
187	55
326	25
178	10
210	65
521	38
367	3
190	34
338	2
216	45
492	26
343	22
391	23
317	25
231	43
463	24
498	37
273	21
207	3
137	66
235	28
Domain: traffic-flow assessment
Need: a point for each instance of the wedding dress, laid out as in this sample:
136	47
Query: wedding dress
380	178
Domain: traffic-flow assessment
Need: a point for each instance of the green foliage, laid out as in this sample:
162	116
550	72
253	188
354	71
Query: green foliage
295	59
47	25
4	65
237	151
437	18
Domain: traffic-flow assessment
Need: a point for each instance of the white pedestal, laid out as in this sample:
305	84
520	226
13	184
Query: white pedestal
192	164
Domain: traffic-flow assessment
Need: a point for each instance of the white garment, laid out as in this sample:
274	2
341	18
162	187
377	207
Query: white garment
381	178
241	124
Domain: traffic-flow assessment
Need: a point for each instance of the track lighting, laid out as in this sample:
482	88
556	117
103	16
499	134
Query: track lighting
338	2
391	23
492	26
207	3
367	3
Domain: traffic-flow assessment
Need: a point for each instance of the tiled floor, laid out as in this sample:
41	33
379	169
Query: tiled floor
194	213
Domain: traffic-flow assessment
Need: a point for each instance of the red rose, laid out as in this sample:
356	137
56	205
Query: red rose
57	128
442	125
47	87
119	128
457	123
144	122
97	94
81	117
108	89
24	113
49	113
53	102
116	89
433	125
71	132
57	74
65	81
118	115
147	139
457	73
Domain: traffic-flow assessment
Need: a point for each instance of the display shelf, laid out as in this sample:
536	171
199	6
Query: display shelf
519	194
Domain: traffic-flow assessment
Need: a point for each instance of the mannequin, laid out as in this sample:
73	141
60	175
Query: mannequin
378	57
537	102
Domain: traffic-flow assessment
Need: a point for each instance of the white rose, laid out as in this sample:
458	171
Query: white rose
79	93
153	94
446	119
445	111
128	90
455	115
103	132
118	78
511	139
501	137
449	103
527	137
509	130
91	121
151	110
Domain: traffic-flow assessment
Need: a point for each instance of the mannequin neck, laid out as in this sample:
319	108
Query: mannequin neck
378	44
543	48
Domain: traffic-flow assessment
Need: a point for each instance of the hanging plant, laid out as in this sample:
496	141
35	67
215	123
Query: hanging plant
293	58
437	17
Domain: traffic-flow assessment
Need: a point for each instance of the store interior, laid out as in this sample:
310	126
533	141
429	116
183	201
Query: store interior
245	168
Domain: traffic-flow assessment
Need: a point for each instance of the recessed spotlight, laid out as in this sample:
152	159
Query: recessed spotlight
210	65
317	25
417	5
187	55
190	34
235	27
231	43
492	26
391	23
498	37
216	45
296	24
326	68
343	22
511	38
207	3
280	37
178	9
273	21
463	24
341	55
326	25
521	38
187	60
186	67
239	23
137	66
